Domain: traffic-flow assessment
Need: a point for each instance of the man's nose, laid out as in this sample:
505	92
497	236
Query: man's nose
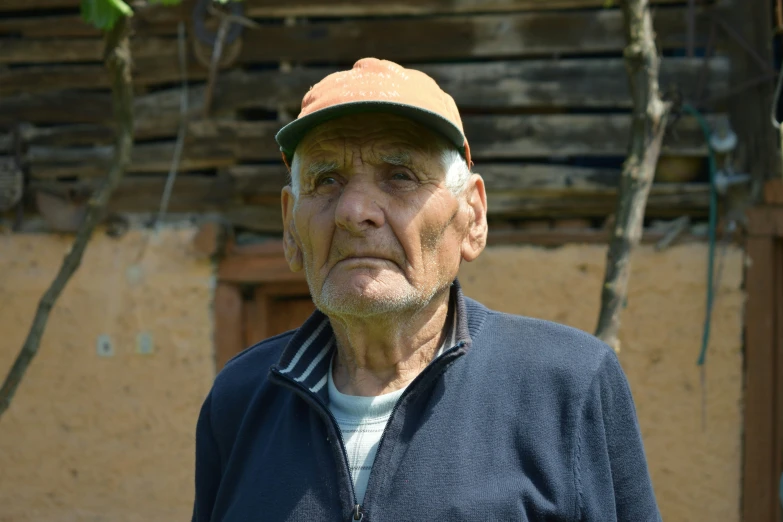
358	208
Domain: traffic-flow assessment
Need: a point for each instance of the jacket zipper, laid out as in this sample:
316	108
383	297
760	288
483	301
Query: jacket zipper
306	394
400	401
357	513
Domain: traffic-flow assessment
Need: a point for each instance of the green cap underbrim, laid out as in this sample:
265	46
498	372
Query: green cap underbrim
289	136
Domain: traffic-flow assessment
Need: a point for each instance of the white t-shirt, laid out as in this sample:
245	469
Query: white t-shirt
362	421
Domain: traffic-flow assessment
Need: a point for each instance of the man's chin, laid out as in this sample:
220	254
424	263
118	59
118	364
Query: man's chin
366	299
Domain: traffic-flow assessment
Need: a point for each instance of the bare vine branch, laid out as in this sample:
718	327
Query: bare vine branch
117	59
650	115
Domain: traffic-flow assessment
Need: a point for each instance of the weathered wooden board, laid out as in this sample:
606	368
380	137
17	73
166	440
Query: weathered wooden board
143	193
35	79
162	20
147	21
211	144
257	180
568	82
45	78
765	220
490	136
156	114
42	50
511	35
64	26
760	475
488	85
460	37
539	136
491	85
773	192
56	107
682	199
552	237
251	193
229	323
6	142
51	51
540	179
30	5
91	162
324	8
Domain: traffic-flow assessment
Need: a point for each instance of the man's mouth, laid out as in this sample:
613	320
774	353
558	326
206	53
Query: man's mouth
367	259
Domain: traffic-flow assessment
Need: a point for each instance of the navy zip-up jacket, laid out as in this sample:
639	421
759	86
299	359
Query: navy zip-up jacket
522	419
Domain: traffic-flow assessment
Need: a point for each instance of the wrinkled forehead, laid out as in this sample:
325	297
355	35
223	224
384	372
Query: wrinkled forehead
369	137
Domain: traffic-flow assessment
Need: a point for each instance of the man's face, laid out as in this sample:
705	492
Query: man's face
373	224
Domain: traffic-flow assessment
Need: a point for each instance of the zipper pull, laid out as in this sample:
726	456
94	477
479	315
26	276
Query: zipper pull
357	514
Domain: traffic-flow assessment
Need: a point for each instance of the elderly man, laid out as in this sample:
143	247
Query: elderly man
400	399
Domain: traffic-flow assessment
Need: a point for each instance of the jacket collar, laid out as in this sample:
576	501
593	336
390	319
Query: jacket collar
308	354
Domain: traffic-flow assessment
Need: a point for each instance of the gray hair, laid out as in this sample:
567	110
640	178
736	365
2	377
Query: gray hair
457	170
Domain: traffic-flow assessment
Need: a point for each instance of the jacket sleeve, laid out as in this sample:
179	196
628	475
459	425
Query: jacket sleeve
612	478
208	466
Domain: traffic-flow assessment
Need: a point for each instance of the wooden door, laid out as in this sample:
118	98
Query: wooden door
274	308
247	314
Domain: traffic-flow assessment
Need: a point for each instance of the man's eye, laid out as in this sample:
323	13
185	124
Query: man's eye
326	180
401	176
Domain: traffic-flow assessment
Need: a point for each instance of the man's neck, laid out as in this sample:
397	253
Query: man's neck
384	354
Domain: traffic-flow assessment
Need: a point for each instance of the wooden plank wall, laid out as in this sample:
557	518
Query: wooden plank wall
541	85
763	430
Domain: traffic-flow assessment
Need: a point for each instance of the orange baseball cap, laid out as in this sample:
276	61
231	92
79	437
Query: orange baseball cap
374	85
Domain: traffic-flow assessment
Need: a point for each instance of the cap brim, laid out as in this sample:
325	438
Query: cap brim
289	136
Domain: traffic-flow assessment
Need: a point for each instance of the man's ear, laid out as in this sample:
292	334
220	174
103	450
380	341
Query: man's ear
293	251
476	235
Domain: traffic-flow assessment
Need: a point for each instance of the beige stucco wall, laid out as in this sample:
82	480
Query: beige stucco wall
92	438
695	469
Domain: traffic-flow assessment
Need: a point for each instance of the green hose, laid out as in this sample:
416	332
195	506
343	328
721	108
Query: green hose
705	128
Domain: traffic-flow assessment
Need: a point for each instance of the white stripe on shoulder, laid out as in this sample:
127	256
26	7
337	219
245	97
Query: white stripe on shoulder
453	329
305	346
315	361
320	384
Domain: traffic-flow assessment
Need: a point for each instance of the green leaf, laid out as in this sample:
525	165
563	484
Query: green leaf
103	14
122	7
